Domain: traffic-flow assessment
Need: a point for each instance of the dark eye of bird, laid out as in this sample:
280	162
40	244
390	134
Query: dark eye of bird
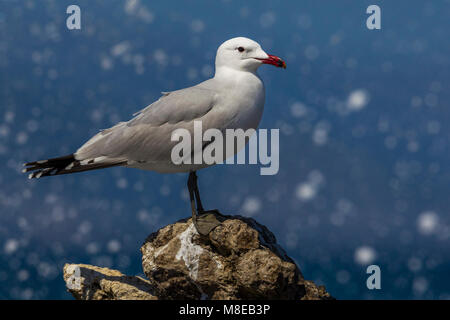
241	49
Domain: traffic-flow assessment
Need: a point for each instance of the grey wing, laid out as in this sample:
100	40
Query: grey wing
147	137
177	106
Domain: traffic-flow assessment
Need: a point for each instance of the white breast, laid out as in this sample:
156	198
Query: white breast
244	97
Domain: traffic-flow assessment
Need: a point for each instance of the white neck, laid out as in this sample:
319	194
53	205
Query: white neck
225	72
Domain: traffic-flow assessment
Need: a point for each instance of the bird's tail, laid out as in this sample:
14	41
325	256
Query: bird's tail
67	164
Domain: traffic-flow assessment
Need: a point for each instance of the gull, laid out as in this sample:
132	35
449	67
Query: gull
232	99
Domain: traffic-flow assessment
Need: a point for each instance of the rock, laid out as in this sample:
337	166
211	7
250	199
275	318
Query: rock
239	259
87	282
314	292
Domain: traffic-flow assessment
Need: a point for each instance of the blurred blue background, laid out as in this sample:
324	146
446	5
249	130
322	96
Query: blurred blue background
364	137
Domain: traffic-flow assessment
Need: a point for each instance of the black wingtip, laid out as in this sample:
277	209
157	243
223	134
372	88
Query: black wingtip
43	167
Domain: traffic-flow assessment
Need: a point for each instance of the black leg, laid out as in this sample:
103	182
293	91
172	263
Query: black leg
191	188
197	194
204	221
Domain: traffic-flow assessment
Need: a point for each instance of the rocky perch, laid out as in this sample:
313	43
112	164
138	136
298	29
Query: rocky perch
239	259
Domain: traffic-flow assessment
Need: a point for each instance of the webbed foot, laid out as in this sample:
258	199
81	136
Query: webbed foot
206	221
